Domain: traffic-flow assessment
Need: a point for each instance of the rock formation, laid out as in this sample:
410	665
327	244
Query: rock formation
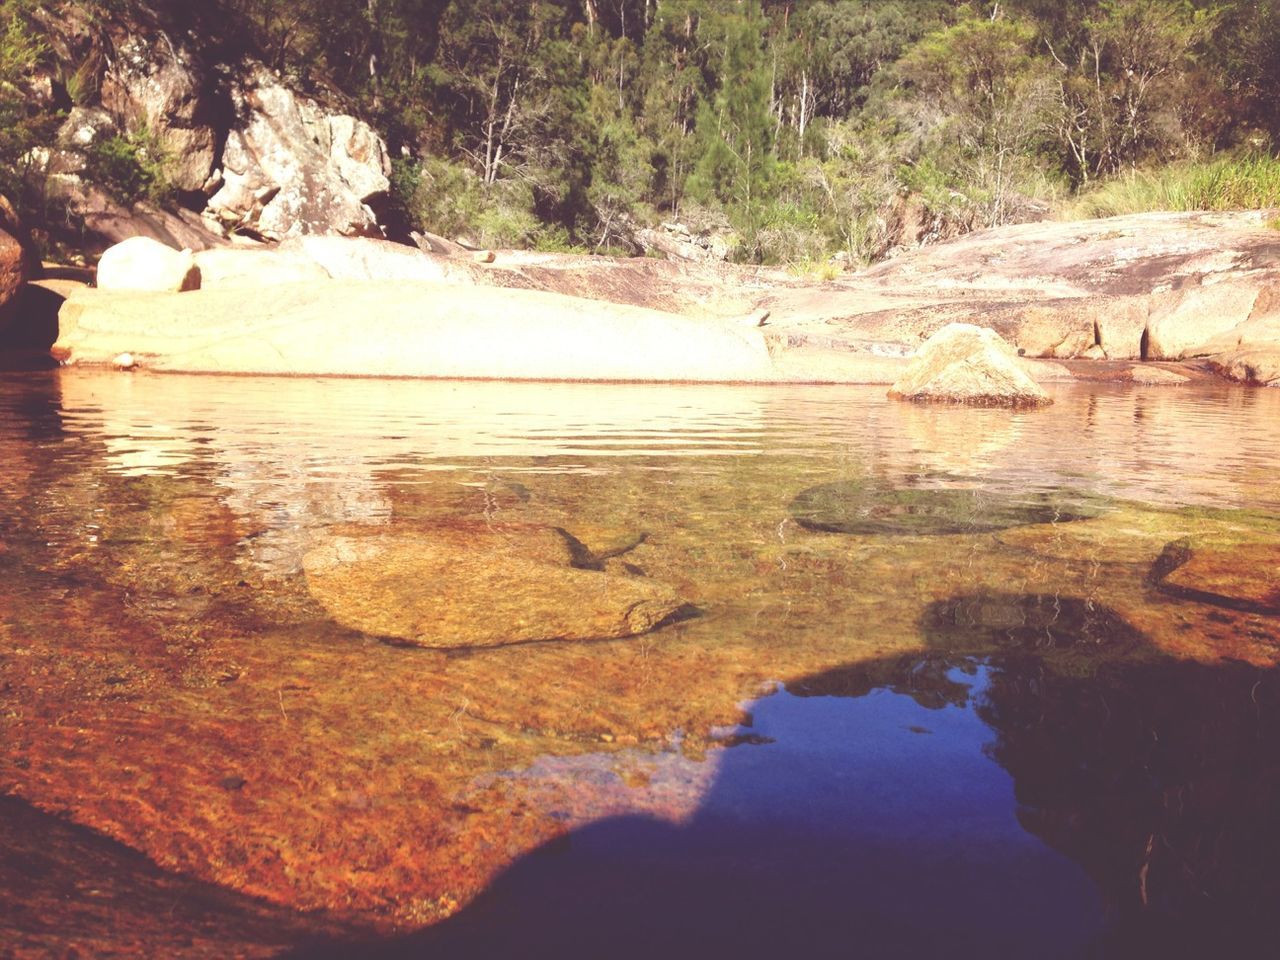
962	363
290	167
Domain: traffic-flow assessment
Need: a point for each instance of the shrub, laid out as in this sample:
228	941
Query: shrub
130	167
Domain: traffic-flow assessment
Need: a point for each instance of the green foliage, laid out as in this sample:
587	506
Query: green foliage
1230	183
130	167
797	127
20	129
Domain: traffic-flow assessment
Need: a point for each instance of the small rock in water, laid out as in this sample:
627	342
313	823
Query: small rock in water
963	363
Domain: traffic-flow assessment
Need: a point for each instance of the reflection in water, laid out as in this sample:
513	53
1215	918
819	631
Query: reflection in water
921	807
170	679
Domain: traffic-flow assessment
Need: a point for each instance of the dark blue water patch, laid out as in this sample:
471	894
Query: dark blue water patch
873	508
928	807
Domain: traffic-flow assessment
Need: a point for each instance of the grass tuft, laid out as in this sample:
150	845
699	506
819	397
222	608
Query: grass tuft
1233	183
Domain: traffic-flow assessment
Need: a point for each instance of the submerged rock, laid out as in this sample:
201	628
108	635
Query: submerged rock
871	509
476	587
1241	577
1030	621
963	363
141	264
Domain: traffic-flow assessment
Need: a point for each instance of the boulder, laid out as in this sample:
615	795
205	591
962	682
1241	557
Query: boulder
963	363
478	586
1240	576
19	260
1255	365
13	270
143	264
290	167
408	329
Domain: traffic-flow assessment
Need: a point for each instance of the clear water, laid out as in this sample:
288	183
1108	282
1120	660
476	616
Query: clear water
925	693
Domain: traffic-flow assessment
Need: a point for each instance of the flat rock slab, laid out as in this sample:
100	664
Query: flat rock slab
871	509
1241	577
405	329
458	588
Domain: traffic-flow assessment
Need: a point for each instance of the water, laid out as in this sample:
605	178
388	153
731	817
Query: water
927	688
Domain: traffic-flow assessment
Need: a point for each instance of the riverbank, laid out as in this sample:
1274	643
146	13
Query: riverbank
1148	298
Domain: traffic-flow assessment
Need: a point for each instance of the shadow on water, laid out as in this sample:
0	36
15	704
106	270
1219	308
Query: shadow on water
1015	800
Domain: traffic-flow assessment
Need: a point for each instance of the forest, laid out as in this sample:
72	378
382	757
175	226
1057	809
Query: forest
792	127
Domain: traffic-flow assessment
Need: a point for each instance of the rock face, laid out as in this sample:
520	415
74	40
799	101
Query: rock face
142	264
409	328
478	588
154	84
256	267
1242	577
290	168
962	363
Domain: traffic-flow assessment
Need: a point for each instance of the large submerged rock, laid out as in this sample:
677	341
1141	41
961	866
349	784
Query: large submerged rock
478	588
1241	577
873	509
963	363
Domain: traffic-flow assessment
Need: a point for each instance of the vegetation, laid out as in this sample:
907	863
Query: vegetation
130	167
1227	183
794	125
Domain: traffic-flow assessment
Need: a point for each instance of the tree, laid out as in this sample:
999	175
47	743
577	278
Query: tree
735	130
989	93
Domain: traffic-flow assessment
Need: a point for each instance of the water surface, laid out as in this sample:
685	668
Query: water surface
926	694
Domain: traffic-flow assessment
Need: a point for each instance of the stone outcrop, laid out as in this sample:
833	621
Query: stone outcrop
675	241
962	363
1157	286
290	167
478	586
409	328
239	145
142	264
